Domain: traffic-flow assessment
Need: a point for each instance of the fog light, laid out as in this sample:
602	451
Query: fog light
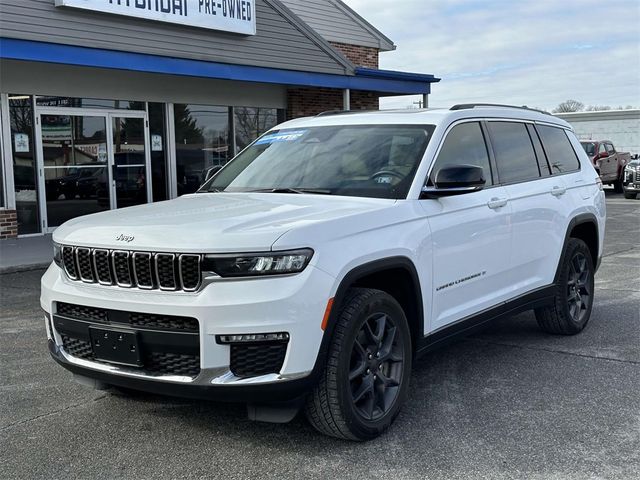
253	338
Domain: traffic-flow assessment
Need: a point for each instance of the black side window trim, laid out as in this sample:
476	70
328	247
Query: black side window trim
543	161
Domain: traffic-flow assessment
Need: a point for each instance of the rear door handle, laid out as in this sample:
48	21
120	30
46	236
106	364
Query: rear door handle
496	202
557	191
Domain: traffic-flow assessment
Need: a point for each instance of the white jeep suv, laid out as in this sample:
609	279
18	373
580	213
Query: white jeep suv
320	262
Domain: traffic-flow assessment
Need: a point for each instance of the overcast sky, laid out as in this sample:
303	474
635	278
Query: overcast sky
537	53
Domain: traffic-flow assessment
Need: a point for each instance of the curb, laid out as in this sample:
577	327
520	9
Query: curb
24	268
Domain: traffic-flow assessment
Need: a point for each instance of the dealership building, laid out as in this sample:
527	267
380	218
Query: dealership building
111	103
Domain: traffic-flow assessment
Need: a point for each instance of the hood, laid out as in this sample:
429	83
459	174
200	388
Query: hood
210	222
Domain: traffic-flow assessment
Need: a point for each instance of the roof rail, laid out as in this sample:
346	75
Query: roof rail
465	106
342	112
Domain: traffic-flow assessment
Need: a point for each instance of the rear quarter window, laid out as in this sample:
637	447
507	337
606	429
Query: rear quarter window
560	153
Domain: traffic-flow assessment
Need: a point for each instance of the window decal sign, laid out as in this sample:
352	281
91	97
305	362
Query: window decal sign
237	16
286	136
156	143
21	143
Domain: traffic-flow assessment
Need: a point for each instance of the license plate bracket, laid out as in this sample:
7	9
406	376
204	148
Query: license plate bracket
116	346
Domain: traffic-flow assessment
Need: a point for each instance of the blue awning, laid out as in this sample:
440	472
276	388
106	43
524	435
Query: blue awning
385	82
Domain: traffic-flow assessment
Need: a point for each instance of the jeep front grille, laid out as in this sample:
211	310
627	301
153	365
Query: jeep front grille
145	270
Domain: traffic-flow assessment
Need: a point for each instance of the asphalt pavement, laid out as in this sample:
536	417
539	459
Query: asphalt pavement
511	402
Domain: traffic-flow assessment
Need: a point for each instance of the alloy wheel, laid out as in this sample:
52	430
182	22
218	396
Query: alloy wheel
376	366
578	287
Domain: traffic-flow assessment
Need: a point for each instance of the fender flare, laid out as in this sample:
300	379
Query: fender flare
352	277
575	221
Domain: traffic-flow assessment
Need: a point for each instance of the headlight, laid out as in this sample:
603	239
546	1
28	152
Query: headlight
258	264
57	254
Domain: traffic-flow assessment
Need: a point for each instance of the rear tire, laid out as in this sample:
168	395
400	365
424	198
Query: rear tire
630	196
573	300
366	377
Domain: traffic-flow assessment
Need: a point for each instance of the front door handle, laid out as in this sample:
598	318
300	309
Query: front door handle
496	202
558	191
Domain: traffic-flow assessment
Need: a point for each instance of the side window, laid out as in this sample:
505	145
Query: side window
602	149
464	145
610	149
514	152
559	150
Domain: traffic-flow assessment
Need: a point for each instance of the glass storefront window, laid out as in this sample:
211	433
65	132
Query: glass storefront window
158	136
202	142
252	122
24	163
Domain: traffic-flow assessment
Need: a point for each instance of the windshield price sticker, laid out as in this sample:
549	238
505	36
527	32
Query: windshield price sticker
237	16
281	137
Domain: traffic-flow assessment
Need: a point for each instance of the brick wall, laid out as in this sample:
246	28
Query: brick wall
304	102
8	224
360	56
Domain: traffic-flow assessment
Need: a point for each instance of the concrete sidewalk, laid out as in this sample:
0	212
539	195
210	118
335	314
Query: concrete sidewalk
27	253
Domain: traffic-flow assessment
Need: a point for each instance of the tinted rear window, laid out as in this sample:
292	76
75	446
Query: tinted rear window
514	152
562	158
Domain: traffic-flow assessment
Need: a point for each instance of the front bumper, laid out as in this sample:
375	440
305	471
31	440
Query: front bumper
631	180
293	304
278	390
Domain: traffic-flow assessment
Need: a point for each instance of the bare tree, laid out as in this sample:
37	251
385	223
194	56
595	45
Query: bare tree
569	106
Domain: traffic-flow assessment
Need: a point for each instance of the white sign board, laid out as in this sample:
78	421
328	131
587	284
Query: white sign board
238	16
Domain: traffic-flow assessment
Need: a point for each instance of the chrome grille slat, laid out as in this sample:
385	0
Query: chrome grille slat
189	270
142	270
102	265
133	269
166	271
69	262
121	268
85	265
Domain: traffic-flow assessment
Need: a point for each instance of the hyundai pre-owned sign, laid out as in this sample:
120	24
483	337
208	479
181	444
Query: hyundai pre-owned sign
238	16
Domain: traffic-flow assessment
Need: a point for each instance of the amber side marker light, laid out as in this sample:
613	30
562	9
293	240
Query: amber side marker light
327	313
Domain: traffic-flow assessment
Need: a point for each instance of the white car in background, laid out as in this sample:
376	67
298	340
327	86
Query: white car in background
316	266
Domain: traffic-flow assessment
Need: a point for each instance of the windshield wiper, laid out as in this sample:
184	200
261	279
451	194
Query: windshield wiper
300	190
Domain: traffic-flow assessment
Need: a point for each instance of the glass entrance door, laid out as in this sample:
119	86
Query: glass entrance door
91	162
129	168
74	157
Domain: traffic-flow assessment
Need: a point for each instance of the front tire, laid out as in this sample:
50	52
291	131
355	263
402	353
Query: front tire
573	300
366	378
630	196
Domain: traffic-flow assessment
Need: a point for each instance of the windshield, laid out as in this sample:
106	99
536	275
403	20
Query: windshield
589	147
376	161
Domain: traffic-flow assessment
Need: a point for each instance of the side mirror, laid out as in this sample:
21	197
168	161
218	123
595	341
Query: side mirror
212	171
456	180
